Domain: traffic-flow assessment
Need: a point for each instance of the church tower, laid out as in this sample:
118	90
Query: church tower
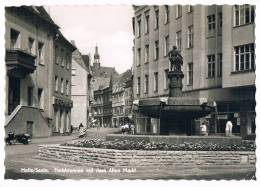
96	63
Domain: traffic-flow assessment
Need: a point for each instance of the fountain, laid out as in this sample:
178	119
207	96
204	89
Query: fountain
176	112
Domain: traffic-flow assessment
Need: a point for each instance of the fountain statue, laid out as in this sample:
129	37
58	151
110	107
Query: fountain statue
176	112
175	74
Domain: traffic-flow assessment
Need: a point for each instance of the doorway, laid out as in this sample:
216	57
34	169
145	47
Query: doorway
61	122
14	94
29	128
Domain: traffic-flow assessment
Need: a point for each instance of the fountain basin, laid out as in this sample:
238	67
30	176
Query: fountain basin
175	107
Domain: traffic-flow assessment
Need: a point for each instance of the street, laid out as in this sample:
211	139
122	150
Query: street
20	162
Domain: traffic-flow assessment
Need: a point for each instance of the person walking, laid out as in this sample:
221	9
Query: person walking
229	126
203	127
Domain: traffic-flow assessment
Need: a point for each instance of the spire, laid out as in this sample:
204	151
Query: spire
96	55
96	63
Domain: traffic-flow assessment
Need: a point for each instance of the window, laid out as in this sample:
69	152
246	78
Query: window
68	61
156	22
138	85
244	14
156	50
31	46
189	8
166	14
73	72
211	22
190	37
178	40
62	59
178	11
14	42
67	87
219	64
211	66
56	54
165	82
30	96
138	28
61	86
146	29
146	83
56	84
155	84
220	23
41	52
166	45
244	57
138	57
146	54
40	98
190	74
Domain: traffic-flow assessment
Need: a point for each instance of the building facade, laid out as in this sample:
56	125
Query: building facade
102	104
80	89
101	89
122	98
30	40
62	102
218	60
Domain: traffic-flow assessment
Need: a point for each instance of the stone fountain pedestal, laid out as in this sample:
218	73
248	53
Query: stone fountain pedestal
176	113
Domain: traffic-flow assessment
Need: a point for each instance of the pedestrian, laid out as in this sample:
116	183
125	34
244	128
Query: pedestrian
132	128
81	130
228	129
80	126
203	127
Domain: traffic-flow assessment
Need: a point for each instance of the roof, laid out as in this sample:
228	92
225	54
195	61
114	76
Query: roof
41	12
86	59
78	58
104	71
120	81
101	83
36	11
62	38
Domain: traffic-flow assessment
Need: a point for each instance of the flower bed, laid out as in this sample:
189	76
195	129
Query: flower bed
143	145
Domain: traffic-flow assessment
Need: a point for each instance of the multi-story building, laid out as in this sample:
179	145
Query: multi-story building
102	104
218	60
80	89
30	99
101	88
122	98
62	102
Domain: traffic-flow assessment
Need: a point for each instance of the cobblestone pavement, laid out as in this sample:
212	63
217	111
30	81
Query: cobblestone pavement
20	163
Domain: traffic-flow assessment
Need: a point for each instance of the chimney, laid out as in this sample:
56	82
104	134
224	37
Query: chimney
73	43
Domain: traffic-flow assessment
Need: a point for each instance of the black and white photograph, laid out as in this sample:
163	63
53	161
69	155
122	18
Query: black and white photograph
134	91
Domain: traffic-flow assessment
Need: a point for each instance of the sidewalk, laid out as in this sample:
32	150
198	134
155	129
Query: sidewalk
53	139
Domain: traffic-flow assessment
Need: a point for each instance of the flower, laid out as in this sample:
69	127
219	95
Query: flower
143	145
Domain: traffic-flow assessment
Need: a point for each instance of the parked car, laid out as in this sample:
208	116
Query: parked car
19	138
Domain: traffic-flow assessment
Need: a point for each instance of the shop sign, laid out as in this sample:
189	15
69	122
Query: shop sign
222	116
235	115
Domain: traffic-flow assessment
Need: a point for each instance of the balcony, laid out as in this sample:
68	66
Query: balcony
19	63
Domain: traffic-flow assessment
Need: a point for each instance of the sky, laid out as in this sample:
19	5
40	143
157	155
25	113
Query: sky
109	27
